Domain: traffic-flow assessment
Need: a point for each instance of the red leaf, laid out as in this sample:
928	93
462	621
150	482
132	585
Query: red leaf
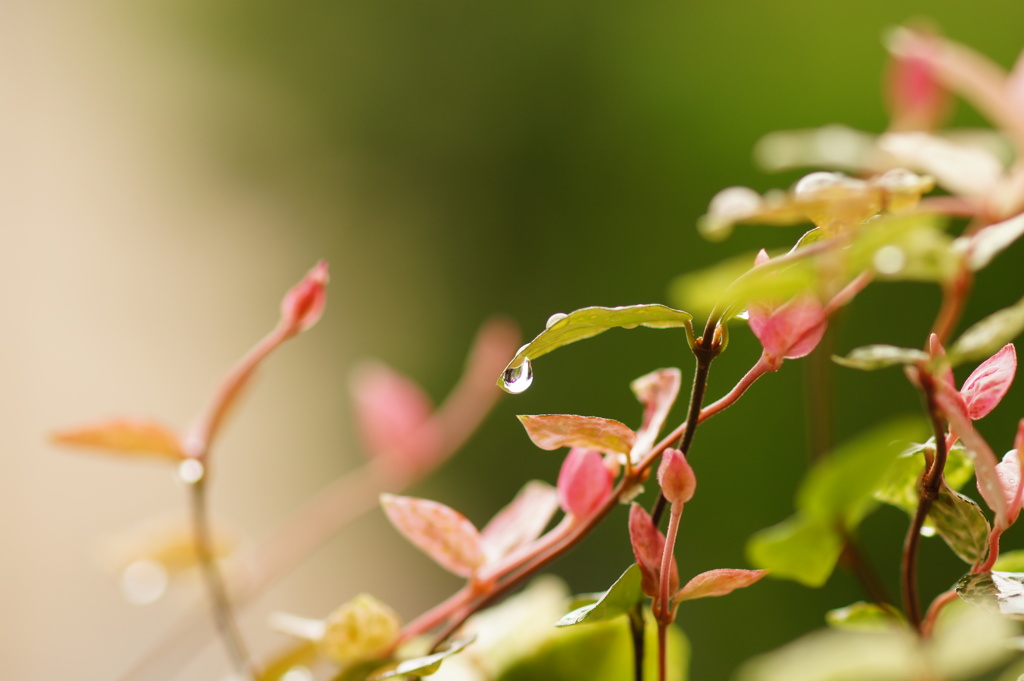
987	384
441	532
125	436
648	547
521	521
788	331
584	482
718	583
552	431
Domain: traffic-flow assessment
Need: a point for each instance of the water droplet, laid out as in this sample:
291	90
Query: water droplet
927	531
889	259
517	379
554	319
191	471
143	582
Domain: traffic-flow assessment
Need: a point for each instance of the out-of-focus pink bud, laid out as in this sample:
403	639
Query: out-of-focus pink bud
788	331
916	98
678	483
648	547
584	482
987	384
304	303
394	418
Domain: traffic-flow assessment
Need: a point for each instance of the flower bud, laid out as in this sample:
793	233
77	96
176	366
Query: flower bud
676	478
304	303
360	630
584	482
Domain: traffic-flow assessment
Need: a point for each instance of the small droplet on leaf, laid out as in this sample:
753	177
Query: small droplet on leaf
191	471
518	378
928	531
297	674
143	582
889	260
554	319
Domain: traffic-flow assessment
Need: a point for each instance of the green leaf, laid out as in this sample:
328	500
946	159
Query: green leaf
962	524
1010	561
1001	592
899	488
842	484
871	357
552	431
911	248
616	601
989	335
799	548
863	616
420	666
600	652
591	321
735	283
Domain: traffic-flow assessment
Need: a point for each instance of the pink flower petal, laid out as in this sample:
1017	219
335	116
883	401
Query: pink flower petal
584	483
441	532
987	384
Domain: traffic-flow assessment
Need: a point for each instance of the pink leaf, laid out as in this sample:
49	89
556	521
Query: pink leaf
584	483
718	583
304	303
952	407
552	431
678	483
788	331
917	100
521	521
1009	473
987	384
442	533
657	391
648	547
394	418
125	436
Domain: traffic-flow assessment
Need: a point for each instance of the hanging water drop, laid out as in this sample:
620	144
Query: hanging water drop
517	379
554	319
191	471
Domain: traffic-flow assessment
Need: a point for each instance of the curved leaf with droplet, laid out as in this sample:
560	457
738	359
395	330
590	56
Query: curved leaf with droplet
871	357
863	616
420	666
962	525
1001	592
798	548
623	595
990	334
591	321
553	431
907	248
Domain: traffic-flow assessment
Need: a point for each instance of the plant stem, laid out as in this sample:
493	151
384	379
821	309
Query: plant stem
930	484
636	630
705	348
220	604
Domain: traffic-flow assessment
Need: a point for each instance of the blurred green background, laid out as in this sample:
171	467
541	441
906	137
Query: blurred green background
454	160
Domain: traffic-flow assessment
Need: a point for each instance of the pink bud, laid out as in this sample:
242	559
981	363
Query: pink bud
676	478
584	483
304	303
648	547
1009	473
987	384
